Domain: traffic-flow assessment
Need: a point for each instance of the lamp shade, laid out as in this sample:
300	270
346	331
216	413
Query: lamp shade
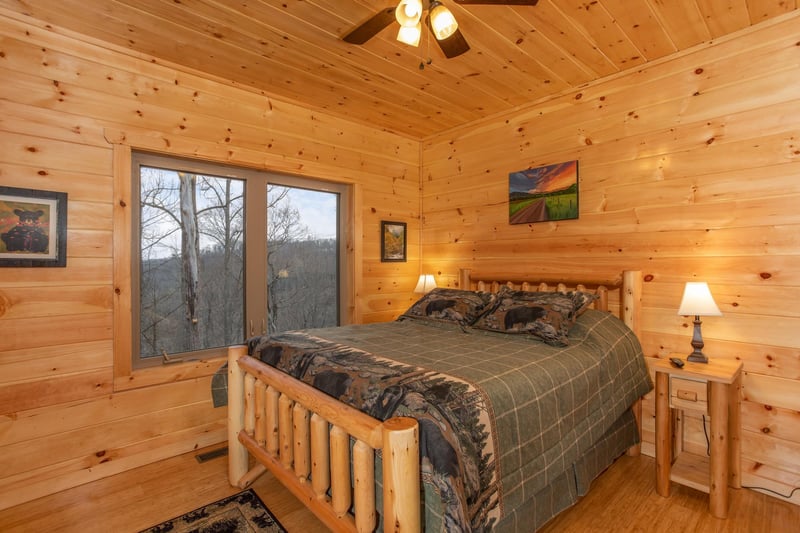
408	12
443	23
410	34
697	300
425	284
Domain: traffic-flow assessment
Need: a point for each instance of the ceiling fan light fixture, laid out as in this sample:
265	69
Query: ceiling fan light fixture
408	12
410	34
443	23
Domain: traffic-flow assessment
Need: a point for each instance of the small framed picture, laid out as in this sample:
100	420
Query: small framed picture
33	228
393	241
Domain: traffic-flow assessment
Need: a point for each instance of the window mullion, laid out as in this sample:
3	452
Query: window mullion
255	256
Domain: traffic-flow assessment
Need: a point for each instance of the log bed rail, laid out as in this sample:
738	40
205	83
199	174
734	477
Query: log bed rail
303	436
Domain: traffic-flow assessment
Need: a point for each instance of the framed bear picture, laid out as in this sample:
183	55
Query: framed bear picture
33	228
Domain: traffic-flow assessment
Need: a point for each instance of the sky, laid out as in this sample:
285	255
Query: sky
317	211
544	179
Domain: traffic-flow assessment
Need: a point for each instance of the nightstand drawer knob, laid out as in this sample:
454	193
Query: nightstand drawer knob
687	395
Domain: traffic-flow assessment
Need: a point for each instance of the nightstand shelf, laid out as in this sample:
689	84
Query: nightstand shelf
691	470
711	389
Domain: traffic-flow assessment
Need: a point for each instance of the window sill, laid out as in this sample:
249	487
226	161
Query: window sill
159	375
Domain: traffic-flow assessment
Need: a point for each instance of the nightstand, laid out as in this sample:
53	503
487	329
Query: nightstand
713	389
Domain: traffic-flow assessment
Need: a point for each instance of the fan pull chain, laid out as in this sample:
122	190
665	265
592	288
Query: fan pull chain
422	63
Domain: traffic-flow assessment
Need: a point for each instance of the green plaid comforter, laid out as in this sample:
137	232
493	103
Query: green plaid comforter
503	417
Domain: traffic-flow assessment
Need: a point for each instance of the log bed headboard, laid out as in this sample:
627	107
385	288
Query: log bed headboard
629	282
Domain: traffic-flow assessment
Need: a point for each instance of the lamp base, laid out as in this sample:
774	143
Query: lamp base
697	357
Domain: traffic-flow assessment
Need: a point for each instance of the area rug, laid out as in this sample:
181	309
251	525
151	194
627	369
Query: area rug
240	513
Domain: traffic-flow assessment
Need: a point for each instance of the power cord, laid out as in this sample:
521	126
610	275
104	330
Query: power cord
775	492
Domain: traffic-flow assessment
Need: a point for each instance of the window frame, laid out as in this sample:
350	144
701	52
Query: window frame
128	374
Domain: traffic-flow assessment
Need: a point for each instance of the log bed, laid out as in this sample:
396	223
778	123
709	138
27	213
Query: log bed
323	450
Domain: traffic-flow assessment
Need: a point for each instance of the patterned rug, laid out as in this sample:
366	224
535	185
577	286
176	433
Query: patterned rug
243	512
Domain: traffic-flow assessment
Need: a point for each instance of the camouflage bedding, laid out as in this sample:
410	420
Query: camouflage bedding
507	424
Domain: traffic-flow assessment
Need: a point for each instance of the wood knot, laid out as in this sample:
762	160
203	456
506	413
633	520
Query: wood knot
765	275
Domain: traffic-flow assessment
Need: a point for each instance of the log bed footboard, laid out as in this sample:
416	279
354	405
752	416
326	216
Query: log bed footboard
303	437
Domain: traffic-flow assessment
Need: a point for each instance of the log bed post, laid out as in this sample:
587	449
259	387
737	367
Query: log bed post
631	300
237	453
401	497
631	311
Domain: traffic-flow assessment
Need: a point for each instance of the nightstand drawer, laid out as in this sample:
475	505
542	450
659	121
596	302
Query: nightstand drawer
688	394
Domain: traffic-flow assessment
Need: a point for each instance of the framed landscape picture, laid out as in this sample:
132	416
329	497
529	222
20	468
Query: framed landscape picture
393	241
543	193
33	228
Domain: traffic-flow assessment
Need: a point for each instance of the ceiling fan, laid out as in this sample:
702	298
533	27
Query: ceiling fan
409	14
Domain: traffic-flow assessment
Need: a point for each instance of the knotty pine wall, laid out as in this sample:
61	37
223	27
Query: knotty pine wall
64	418
689	170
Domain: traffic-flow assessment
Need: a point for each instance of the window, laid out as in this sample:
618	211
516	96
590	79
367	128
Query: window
223	253
302	258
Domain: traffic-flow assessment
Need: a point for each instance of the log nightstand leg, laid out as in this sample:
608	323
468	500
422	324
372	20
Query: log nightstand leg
663	434
718	410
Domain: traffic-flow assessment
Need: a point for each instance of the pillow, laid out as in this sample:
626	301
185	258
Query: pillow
582	301
546	315
450	305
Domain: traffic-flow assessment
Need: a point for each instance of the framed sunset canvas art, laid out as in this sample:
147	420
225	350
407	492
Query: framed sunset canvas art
543	194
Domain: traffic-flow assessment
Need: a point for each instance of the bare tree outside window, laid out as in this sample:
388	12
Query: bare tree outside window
302	258
191	271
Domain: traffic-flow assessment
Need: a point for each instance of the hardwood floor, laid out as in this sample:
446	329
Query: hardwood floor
623	499
148	495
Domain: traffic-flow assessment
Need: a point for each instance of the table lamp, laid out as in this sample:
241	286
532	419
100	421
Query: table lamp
425	284
697	301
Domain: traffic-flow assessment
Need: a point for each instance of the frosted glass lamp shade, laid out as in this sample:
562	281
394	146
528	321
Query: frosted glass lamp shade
425	284
443	23
408	12
410	34
697	300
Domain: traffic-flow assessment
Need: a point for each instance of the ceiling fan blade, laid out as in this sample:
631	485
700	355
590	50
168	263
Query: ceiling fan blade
500	2
370	28
453	46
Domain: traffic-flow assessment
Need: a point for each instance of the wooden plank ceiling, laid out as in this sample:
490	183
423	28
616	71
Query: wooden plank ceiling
292	49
